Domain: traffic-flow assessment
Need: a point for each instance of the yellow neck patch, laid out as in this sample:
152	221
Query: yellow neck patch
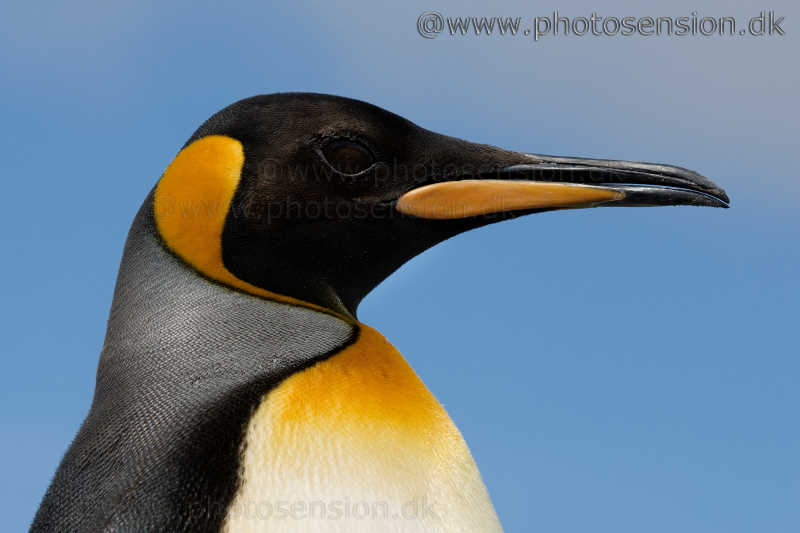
360	427
368	387
191	203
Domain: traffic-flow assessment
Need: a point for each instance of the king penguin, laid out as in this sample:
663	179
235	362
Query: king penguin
236	389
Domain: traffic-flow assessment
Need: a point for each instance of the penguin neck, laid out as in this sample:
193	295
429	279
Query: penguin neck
168	322
155	289
184	363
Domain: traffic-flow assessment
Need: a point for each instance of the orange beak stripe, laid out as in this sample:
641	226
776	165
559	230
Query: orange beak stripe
467	198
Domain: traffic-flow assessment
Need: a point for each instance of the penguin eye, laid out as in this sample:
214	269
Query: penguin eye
347	157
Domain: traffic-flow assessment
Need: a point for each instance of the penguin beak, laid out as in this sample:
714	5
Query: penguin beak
541	182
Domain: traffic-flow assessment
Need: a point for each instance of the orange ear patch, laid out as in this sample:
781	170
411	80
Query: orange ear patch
191	204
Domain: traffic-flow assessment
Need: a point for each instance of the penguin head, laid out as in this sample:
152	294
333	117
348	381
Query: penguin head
315	199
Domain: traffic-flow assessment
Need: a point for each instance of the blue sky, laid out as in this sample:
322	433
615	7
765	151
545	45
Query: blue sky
611	369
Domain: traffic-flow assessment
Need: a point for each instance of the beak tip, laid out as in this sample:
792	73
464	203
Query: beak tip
722	198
